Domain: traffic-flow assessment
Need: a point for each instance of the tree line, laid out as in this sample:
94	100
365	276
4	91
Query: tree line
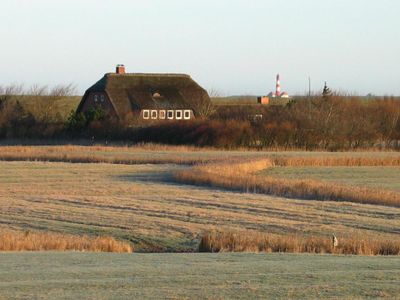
331	122
328	122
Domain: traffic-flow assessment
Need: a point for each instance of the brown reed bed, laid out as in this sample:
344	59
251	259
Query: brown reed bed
66	145
337	161
251	241
240	177
98	154
144	153
11	240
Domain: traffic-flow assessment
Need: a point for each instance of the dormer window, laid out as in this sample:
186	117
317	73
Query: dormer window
102	98
96	98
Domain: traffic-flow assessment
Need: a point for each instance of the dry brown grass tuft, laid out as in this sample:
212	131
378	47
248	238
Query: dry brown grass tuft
34	241
239	176
250	241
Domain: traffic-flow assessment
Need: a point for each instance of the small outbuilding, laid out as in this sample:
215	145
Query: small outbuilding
146	96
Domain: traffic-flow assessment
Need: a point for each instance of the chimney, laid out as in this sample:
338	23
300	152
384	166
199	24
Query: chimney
120	69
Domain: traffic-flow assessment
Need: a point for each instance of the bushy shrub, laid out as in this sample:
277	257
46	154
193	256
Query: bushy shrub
226	134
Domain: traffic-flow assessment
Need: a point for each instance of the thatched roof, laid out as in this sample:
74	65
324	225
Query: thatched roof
136	91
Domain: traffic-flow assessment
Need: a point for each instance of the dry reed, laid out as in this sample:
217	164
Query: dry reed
239	177
133	155
11	240
96	154
336	161
250	241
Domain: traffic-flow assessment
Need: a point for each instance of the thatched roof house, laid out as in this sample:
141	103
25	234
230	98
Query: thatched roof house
147	96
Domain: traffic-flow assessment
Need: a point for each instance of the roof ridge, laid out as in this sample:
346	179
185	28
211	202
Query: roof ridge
149	74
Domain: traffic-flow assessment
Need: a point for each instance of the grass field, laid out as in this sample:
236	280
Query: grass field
196	276
143	204
132	194
374	177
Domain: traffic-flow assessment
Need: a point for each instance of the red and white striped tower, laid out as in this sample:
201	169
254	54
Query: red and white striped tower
278	86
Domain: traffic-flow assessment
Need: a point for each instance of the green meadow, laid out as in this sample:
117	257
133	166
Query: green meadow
196	276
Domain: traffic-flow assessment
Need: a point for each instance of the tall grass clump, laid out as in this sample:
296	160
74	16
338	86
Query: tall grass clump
251	241
11	240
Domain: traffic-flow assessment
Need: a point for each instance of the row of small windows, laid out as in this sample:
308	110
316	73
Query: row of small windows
98	98
169	114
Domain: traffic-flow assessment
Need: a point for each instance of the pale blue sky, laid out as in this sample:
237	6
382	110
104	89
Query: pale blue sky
234	46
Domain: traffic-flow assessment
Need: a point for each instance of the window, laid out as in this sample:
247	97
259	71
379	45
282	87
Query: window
96	98
146	114
102	98
186	114
154	114
178	114
170	114
162	114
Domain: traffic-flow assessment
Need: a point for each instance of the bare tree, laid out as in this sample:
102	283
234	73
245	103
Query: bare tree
61	90
214	93
1	97
38	90
9	92
205	107
46	100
